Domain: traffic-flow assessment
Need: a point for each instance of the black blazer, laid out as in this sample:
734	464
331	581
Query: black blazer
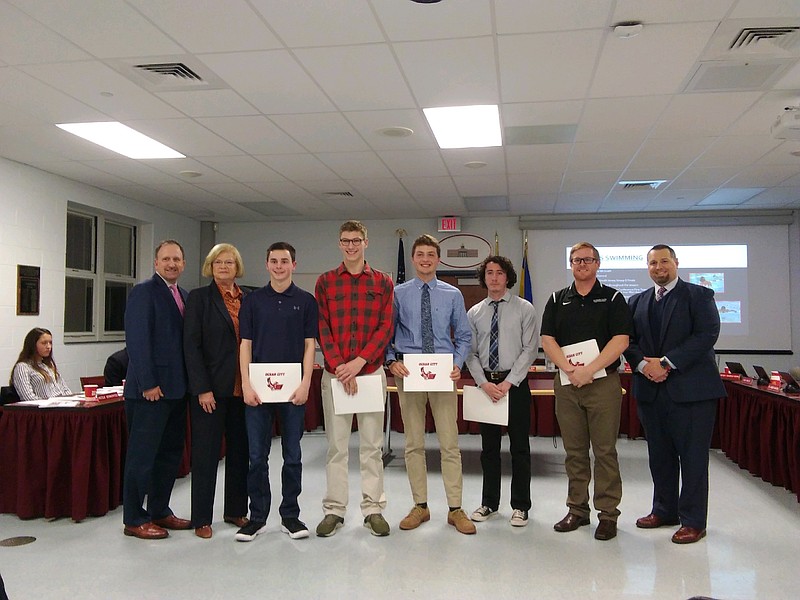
209	343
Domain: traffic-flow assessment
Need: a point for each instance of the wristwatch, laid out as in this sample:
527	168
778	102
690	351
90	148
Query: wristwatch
389	362
664	363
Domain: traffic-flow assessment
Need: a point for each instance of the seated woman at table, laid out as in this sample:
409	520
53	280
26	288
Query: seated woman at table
35	376
211	351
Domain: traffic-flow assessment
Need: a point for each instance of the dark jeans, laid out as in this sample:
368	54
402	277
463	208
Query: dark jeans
259	421
156	435
207	432
519	424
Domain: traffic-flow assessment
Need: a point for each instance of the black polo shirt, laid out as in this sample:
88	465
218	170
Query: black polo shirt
601	314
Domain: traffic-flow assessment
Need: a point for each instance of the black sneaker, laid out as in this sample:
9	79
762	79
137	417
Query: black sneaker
249	532
294	527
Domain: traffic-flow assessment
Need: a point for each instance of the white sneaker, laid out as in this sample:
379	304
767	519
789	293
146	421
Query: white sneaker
482	513
519	518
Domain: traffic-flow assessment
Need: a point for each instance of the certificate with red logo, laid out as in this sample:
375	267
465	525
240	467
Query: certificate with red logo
479	407
579	355
275	382
428	373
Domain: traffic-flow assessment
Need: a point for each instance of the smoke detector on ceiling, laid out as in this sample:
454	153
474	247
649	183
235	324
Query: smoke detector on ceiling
787	125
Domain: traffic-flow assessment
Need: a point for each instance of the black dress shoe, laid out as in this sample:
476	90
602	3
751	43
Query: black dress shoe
570	523
606	530
653	521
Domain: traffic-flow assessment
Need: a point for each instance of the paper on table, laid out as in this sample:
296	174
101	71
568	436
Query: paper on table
428	373
275	382
478	406
368	398
581	354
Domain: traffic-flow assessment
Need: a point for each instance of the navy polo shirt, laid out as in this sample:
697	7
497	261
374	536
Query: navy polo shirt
601	314
278	323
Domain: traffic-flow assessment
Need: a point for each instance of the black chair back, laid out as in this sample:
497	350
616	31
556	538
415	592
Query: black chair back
8	395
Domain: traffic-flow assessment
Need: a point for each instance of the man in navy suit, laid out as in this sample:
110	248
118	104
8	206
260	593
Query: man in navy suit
677	387
155	396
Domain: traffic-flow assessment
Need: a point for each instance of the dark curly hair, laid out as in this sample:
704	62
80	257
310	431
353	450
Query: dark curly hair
505	264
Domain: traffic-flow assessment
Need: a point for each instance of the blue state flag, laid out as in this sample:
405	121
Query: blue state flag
525	290
401	262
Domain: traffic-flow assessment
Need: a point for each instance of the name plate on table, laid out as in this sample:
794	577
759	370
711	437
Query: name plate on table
368	398
579	355
428	373
275	382
479	407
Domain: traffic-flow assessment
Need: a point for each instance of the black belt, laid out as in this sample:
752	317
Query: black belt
496	376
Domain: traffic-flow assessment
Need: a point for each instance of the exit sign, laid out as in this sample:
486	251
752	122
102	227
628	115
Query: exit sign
449	224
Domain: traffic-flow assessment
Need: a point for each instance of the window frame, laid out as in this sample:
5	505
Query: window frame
98	276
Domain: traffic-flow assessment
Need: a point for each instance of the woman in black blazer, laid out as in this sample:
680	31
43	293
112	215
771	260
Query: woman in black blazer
211	349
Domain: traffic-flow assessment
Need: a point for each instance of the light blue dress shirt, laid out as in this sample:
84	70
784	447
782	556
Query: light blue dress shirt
447	313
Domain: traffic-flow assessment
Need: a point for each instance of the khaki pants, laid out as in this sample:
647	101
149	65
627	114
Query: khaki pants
589	416
370	434
444	407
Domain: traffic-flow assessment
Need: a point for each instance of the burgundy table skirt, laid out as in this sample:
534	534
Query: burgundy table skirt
62	462
760	431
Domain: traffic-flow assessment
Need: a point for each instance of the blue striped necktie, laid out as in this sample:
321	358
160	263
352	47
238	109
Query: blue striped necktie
427	321
494	346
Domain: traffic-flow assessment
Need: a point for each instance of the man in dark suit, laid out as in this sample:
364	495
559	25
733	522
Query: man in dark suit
677	386
155	396
116	368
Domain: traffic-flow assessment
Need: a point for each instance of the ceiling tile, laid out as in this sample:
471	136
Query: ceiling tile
587	181
490	185
16	32
524	159
674	11
420	163
297	167
254	134
185	136
669	153
609	118
456	160
227	26
540	113
370	123
323	132
355	165
702	114
404	21
736	151
300	23
524	16
601	156
241	168
340	72
526	80
450	72
297	92
209	103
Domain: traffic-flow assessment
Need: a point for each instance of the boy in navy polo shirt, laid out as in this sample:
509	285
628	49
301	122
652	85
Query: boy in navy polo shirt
278	324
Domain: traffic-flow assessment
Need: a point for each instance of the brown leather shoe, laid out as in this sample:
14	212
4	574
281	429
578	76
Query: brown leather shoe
146	531
570	523
415	517
204	532
606	530
459	519
238	521
653	521
688	535
173	522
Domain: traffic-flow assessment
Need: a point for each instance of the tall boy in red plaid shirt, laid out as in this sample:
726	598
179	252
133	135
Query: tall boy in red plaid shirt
355	326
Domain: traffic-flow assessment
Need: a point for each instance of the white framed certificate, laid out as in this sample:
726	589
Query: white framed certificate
275	382
428	373
478	406
370	396
581	354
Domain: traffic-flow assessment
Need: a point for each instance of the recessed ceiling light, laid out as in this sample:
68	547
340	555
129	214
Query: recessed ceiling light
475	164
465	126
121	139
396	131
190	173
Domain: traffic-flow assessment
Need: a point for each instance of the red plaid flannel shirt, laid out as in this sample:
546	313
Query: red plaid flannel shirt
355	316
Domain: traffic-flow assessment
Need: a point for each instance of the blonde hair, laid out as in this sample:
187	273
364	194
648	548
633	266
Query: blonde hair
215	252
581	245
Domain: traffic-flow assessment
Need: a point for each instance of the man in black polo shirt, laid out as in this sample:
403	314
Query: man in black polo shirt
588	407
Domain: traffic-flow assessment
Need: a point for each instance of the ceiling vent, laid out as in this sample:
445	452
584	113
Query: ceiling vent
171	73
642	185
750	37
339	194
171	69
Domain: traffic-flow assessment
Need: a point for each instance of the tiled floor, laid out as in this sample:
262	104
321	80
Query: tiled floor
751	550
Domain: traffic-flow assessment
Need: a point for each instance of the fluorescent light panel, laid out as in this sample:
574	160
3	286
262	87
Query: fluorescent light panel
465	126
121	139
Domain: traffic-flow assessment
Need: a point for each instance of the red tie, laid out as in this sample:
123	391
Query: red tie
177	295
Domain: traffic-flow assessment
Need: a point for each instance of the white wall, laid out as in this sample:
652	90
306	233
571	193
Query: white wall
33	205
317	243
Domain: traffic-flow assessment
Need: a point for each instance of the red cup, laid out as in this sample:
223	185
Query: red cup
90	391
